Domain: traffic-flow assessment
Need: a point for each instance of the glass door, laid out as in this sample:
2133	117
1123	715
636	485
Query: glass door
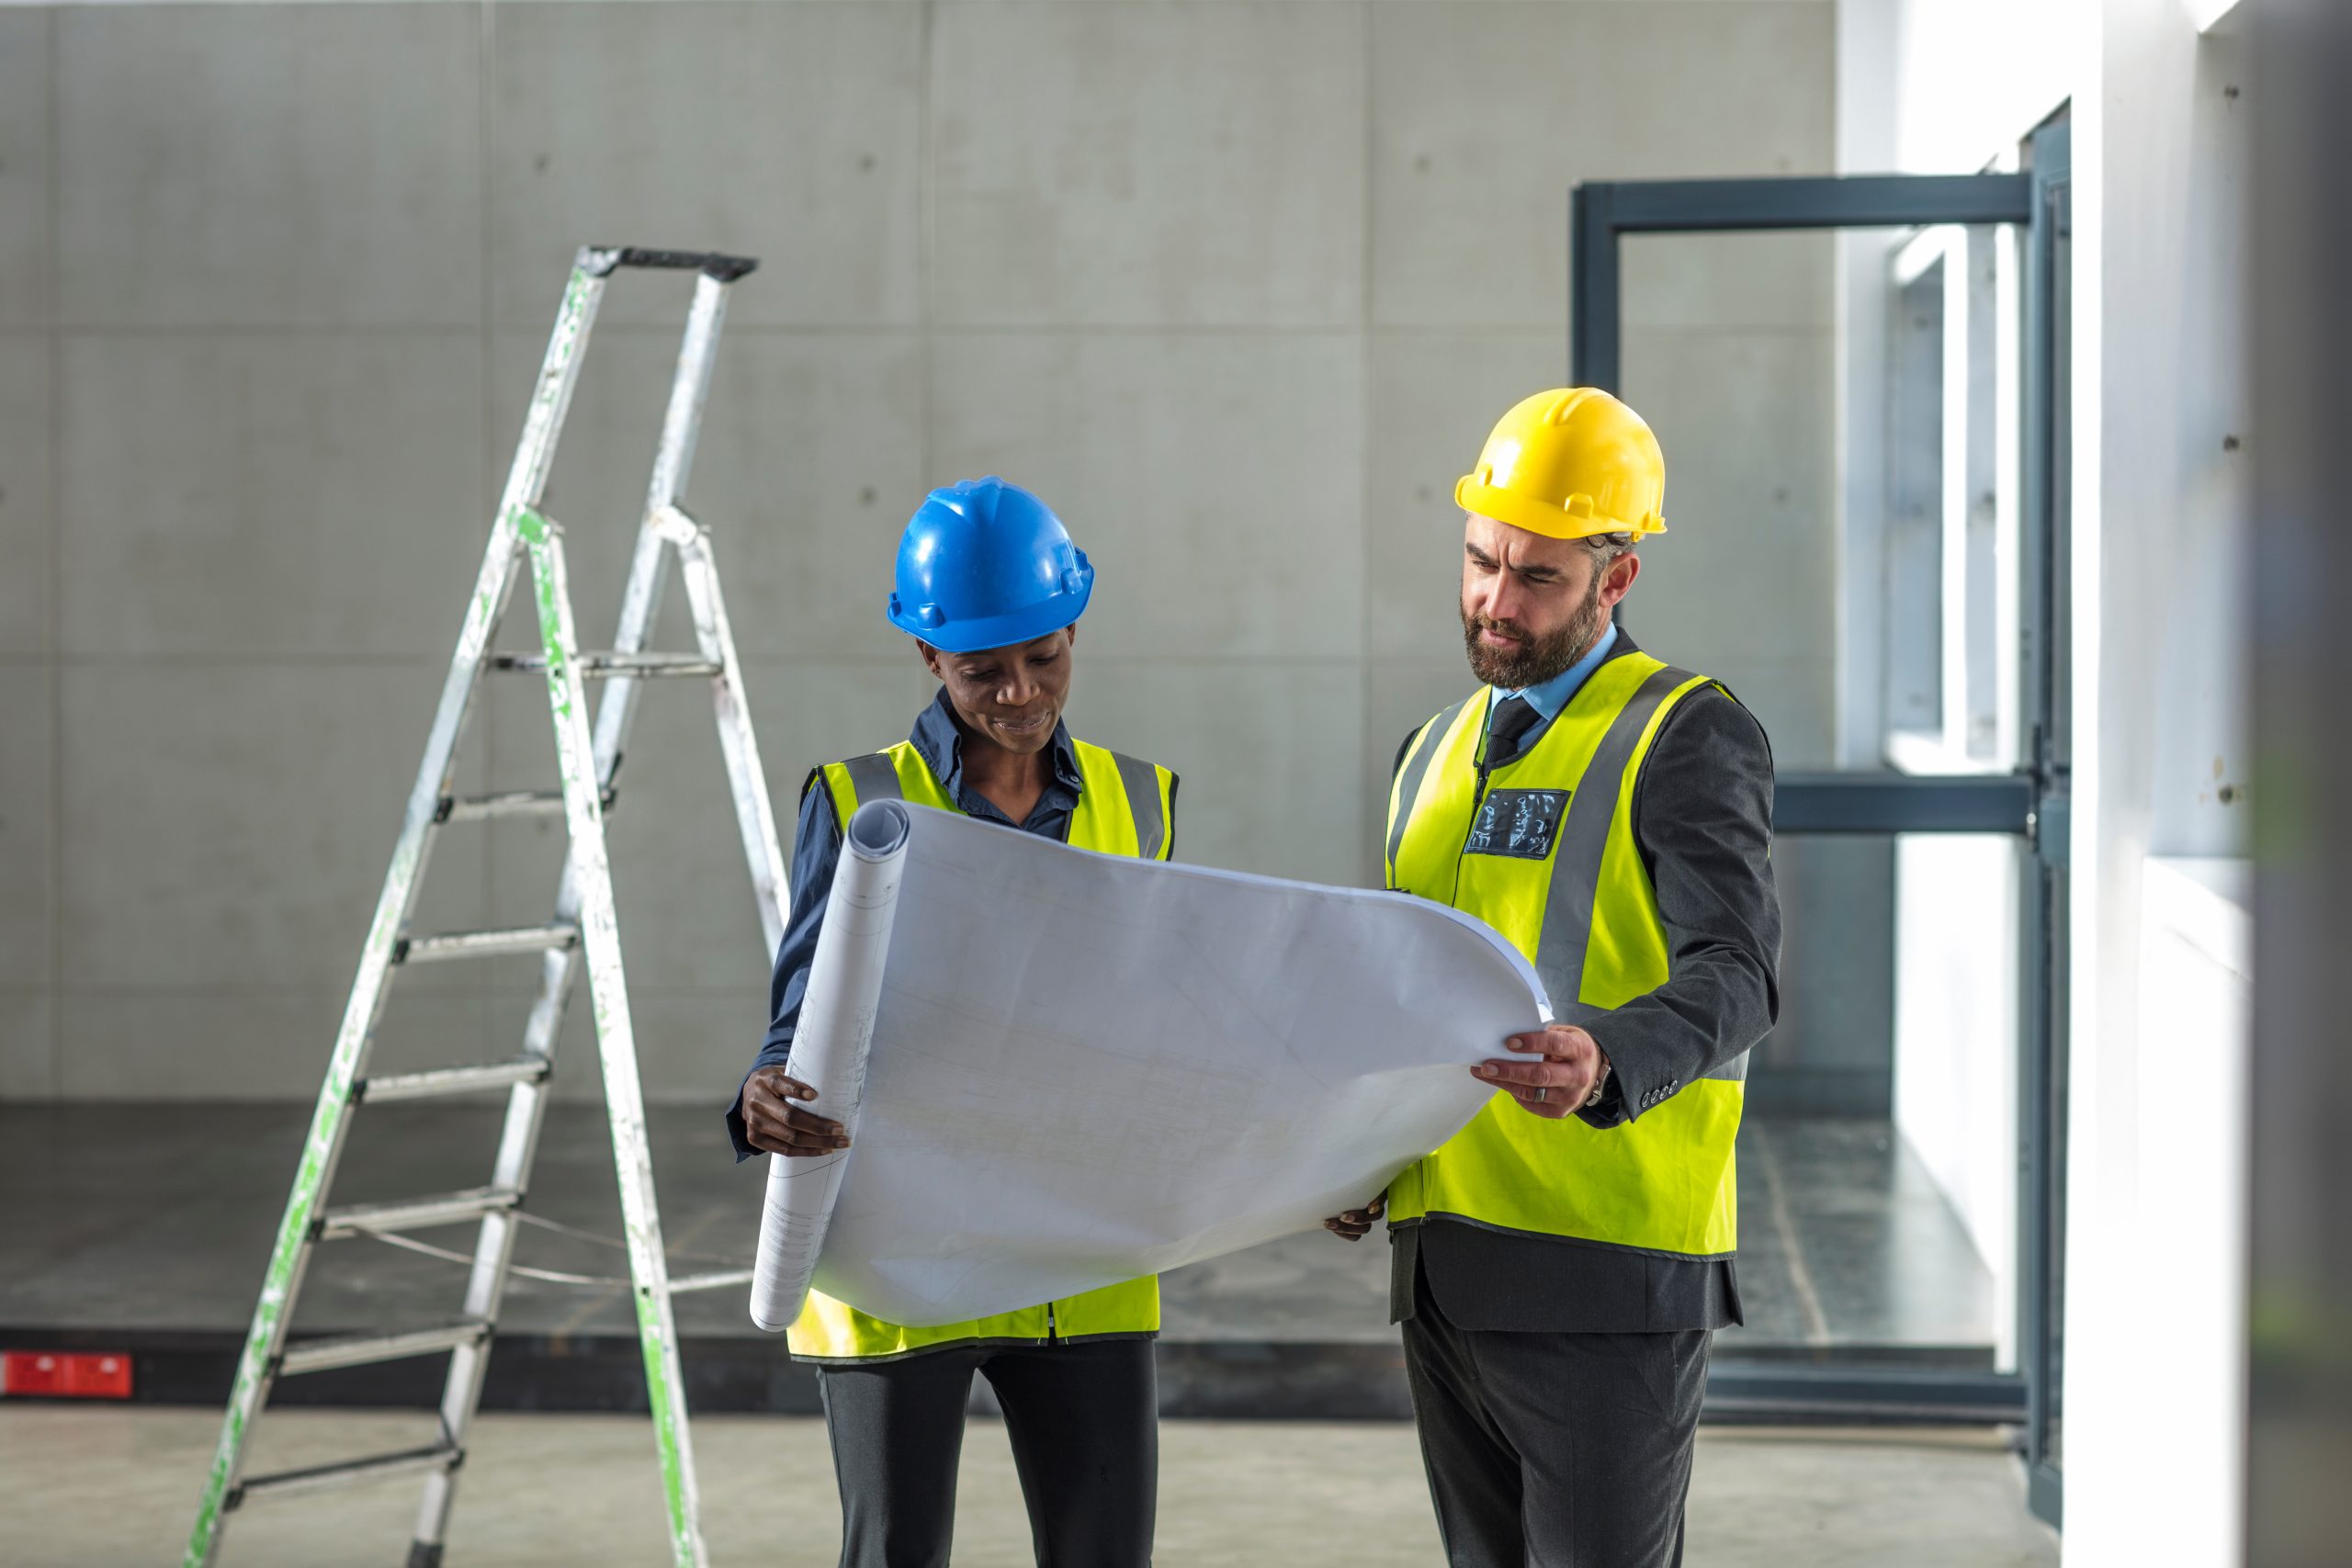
1902	1165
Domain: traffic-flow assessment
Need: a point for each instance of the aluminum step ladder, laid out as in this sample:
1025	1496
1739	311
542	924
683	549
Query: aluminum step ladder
583	927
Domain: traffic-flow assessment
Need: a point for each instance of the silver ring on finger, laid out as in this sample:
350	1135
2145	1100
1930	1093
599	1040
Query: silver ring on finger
1542	1092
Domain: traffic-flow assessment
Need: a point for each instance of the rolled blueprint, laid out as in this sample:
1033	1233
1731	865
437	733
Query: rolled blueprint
829	1054
1088	1068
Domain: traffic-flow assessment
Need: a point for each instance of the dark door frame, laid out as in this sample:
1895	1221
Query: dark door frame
2030	803
2045	667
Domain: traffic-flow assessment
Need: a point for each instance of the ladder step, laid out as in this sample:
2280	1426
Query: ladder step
361	1349
484	945
436	1081
508	803
603	666
416	1213
312	1478
681	1283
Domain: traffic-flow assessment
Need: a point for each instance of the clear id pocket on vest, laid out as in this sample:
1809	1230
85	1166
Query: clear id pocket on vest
1520	823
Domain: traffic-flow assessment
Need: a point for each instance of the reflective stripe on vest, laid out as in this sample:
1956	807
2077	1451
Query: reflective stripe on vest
1123	808
1561	879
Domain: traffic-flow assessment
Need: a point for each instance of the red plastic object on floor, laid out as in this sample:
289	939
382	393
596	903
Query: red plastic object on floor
65	1374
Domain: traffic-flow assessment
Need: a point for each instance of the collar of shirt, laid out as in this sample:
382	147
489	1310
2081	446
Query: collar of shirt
938	738
1553	695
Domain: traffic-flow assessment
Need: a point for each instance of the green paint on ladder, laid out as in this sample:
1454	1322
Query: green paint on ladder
577	764
276	1286
665	1423
293	1235
534	530
519	524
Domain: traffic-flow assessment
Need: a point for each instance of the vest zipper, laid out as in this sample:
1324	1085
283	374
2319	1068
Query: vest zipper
1053	1334
1477	800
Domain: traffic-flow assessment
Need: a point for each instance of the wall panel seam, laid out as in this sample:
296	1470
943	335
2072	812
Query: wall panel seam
485	165
53	613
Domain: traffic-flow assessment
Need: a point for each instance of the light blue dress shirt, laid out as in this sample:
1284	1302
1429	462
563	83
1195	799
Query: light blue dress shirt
1553	695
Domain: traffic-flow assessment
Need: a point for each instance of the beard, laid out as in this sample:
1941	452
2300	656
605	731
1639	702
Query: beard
1536	659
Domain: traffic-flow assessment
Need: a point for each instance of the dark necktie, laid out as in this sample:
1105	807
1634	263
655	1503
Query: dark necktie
1513	718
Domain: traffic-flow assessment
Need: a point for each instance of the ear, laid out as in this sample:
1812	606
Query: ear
931	658
1618	581
1071	631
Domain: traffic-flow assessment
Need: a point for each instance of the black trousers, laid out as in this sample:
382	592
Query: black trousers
1084	1423
1555	1450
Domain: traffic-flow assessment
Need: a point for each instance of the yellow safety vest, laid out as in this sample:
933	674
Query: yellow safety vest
1543	850
1124	807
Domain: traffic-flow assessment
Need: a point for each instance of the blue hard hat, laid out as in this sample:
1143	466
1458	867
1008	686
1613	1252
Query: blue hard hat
985	564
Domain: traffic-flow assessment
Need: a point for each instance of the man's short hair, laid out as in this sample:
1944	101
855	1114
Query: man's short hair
1609	546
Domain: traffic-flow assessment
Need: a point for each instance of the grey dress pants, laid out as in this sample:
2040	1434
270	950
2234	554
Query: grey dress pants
1551	1449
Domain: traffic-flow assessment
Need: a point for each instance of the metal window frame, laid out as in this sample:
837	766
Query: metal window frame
2045	669
1903	803
1601	213
2030	803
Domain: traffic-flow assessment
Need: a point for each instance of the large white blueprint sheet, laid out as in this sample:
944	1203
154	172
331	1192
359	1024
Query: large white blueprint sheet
1084	1068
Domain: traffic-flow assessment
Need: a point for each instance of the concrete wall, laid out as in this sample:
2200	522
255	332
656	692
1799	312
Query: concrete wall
1238	286
2158	97
2182	1436
2200	468
2158	622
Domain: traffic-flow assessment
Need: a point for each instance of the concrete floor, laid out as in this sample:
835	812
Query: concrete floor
110	1488
1845	1243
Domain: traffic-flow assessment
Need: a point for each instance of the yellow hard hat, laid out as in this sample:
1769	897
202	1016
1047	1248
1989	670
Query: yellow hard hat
1569	463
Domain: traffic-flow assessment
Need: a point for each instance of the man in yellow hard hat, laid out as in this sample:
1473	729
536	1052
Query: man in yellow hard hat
1560	1265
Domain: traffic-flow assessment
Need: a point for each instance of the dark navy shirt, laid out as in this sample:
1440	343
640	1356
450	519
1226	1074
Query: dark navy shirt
938	738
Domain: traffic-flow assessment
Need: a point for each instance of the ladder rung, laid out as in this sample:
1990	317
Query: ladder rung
407	1461
359	1350
416	1213
598	261
436	1081
484	945
603	666
681	1284
508	803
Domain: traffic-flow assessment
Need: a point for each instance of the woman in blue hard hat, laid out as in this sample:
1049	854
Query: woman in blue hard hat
990	587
